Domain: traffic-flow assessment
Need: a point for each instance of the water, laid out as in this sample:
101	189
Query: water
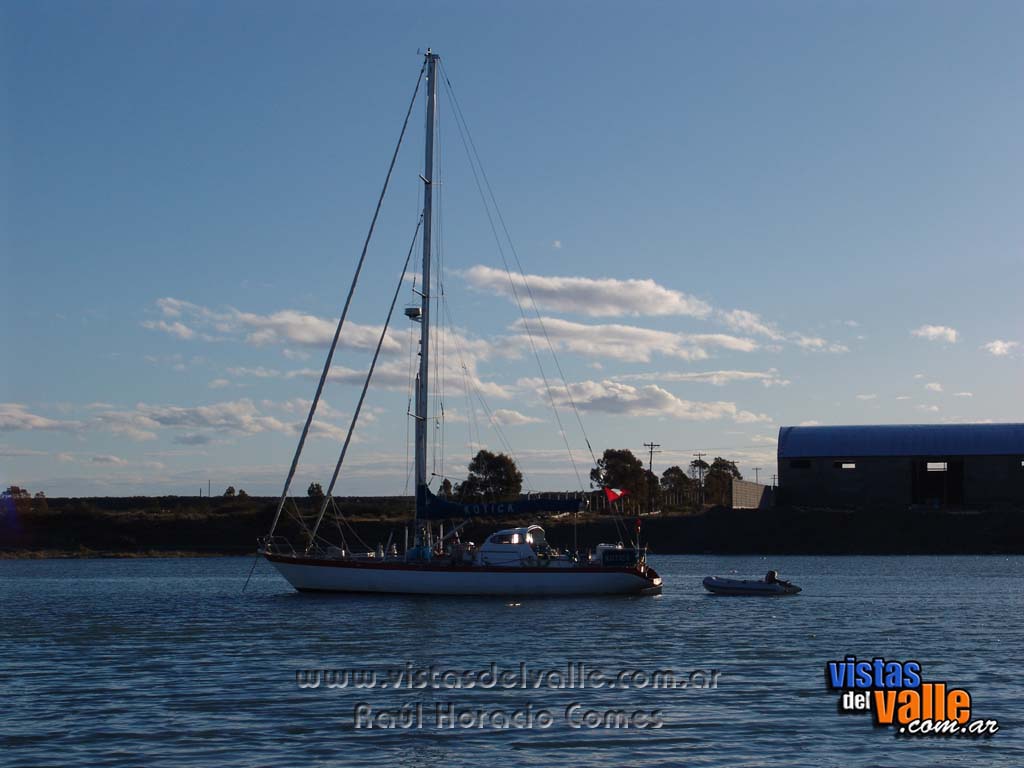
166	663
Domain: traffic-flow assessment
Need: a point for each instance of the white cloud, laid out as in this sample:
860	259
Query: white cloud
810	423
391	375
769	378
936	333
556	244
394	375
173	307
999	348
749	322
238	417
928	408
284	326
963	394
107	459
326	430
128	424
291	326
175	328
622	399
933	386
902	397
259	372
219	384
15	417
818	344
605	297
632	343
867	397
608	297
507	417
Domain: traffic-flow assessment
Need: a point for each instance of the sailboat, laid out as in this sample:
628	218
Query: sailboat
515	561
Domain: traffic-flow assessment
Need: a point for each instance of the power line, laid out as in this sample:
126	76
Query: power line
653	448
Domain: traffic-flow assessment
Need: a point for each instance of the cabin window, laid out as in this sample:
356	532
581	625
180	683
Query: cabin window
800	464
936	466
505	538
845	465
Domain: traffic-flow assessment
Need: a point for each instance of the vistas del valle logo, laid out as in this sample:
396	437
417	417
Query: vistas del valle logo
897	695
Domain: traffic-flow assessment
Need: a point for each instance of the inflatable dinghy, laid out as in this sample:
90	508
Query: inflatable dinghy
720	586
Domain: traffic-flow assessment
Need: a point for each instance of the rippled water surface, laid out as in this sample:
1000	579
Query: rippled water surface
167	663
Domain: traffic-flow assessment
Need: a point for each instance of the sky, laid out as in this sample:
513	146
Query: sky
732	217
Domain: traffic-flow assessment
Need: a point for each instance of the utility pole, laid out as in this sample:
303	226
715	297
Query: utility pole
774	478
700	469
653	448
756	470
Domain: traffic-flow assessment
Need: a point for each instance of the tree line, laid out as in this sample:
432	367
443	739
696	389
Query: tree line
495	477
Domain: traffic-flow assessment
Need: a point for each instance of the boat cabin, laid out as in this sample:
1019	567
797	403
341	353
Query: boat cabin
514	547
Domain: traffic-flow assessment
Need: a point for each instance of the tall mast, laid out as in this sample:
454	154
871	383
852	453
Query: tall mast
422	388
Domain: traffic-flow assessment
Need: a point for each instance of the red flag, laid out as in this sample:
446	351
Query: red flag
614	494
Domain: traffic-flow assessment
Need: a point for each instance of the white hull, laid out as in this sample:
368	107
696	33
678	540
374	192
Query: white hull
308	575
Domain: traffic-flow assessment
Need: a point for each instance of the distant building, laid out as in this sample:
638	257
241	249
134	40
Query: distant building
933	465
748	495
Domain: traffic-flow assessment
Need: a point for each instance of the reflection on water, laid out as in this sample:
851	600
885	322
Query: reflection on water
167	663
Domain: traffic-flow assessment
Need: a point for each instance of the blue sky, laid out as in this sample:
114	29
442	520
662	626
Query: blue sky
734	216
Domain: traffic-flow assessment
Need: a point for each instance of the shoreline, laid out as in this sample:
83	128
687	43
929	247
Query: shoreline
179	527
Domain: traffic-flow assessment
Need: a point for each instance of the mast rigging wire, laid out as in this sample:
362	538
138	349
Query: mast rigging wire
474	160
366	384
344	312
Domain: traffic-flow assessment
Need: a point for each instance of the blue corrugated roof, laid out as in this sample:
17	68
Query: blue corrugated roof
902	440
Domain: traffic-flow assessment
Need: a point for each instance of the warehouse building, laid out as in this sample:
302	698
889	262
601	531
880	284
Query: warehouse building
952	466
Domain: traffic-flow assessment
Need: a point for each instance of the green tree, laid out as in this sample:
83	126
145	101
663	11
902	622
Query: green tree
39	503
676	487
446	488
653	489
698	467
230	492
619	468
718	481
725	467
19	497
492	477
242	494
675	480
315	492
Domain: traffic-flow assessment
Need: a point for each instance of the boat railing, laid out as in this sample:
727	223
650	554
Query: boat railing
278	545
